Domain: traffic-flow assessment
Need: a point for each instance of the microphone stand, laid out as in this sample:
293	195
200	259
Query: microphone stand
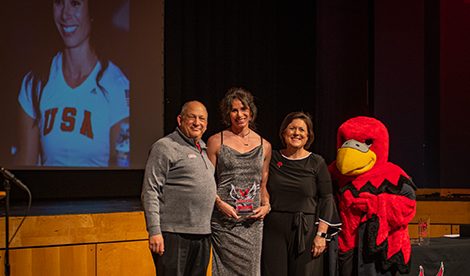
6	184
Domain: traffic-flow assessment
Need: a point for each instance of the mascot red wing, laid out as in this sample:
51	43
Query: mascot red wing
376	201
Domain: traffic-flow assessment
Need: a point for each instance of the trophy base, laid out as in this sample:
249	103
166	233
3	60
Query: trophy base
245	214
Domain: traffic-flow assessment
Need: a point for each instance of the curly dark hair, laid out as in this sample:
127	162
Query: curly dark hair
304	117
247	100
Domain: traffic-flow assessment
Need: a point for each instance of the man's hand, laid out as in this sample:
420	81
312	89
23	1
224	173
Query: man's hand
156	244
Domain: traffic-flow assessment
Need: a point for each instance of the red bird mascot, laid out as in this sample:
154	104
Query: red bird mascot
376	202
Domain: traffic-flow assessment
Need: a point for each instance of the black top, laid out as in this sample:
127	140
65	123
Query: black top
302	185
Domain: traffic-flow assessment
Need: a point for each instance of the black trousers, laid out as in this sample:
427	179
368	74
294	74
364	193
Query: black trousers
280	247
185	255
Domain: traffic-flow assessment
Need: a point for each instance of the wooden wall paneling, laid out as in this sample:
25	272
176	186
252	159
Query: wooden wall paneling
76	260
455	229
116	243
445	217
124	258
443	212
413	231
76	229
435	230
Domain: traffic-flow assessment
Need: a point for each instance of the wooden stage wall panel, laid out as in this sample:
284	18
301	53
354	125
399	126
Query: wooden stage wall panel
76	260
76	229
435	231
124	258
116	243
443	212
445	217
102	259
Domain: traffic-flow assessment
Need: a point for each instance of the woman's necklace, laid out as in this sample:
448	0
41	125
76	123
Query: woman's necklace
246	143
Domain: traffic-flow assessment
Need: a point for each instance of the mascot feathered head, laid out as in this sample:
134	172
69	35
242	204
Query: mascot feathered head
362	144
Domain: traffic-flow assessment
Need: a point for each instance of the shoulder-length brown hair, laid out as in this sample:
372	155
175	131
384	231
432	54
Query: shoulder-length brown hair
247	100
304	117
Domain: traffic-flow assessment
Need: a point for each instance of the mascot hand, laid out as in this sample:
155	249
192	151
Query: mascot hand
372	203
360	204
367	203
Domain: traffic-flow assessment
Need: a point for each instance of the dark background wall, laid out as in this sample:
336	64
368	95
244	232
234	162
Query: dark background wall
454	93
399	47
335	59
266	47
311	56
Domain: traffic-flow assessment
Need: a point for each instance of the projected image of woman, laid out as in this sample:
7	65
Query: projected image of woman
73	105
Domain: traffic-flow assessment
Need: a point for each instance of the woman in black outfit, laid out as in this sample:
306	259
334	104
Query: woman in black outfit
303	215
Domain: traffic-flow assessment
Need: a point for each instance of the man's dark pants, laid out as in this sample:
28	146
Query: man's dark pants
185	255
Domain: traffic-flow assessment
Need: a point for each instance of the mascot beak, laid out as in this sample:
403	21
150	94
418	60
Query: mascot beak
354	157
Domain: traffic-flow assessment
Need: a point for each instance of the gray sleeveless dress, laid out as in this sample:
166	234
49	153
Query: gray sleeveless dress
237	243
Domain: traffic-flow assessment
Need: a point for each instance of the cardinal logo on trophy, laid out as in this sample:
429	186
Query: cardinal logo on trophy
244	199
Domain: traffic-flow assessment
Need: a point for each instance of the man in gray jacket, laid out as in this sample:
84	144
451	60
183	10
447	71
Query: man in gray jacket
178	196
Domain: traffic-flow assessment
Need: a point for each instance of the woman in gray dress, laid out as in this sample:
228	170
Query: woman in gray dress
241	158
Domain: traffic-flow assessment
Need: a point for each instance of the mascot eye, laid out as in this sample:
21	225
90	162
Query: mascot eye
368	142
354	144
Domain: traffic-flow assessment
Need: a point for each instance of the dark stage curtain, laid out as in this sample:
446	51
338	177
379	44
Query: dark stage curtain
269	48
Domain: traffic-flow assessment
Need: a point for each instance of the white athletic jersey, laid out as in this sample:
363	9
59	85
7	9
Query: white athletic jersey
75	123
